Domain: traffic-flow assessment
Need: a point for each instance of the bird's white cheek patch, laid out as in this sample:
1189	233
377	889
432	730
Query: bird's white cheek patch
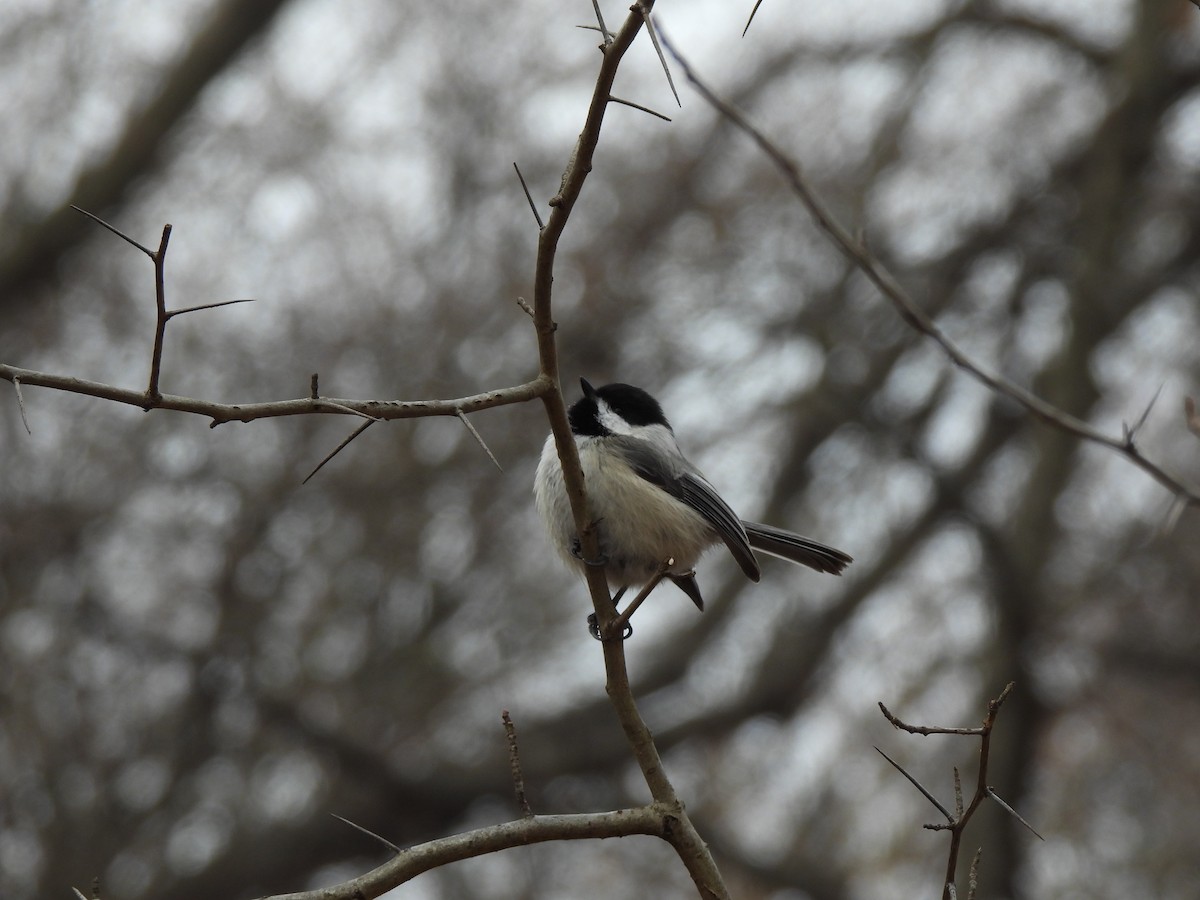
609	420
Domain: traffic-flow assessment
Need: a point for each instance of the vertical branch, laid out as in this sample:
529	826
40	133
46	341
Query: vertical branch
957	823
682	834
578	167
153	396
160	326
561	204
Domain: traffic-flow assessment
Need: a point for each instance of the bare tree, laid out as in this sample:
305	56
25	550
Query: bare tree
203	659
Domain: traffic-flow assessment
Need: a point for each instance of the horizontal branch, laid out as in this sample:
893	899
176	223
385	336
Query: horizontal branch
653	819
248	412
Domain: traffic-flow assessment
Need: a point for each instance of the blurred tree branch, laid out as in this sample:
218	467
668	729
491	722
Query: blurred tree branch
912	313
229	29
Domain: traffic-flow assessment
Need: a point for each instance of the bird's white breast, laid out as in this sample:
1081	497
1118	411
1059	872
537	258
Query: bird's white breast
639	524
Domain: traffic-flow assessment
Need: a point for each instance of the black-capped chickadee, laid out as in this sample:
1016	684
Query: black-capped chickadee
649	503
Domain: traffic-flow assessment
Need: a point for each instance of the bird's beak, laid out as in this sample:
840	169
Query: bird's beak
588	390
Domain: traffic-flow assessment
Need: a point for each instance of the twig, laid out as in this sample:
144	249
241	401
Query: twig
158	257
524	304
369	833
644	109
514	763
528	196
650	30
16	383
973	874
957	823
861	257
479	438
924	730
616	627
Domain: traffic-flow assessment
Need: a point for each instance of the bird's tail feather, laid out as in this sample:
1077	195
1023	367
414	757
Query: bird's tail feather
796	548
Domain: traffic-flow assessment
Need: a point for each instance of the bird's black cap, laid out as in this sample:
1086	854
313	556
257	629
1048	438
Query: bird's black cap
631	403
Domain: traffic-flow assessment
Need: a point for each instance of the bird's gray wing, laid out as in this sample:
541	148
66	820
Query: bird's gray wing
675	476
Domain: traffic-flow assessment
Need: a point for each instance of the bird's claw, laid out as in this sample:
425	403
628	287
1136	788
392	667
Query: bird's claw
594	629
577	552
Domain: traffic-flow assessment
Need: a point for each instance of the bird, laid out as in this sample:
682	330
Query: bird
655	513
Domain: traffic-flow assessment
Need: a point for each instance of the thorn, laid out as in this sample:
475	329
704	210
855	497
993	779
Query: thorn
478	437
16	383
1149	406
361	428
528	196
928	796
368	833
180	312
326	403
600	18
753	12
1012	812
118	232
658	49
644	109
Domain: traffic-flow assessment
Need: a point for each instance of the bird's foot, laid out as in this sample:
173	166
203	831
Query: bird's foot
594	629
594	623
577	552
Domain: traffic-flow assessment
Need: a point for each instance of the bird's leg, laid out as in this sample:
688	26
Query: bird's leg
620	625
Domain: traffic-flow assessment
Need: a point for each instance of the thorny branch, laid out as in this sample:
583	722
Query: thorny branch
159	258
221	413
957	822
856	250
664	816
652	819
684	838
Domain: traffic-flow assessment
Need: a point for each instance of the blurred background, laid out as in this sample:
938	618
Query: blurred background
203	659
